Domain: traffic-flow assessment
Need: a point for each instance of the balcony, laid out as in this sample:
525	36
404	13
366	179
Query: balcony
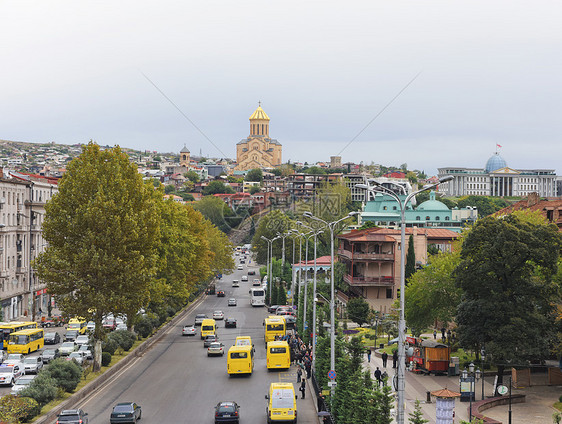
384	257
360	280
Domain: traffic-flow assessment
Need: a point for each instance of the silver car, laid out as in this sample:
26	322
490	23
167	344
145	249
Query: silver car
21	383
33	364
76	356
67	348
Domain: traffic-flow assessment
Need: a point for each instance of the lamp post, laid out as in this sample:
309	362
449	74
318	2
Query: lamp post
472	376
331	227
314	305
402	323
283	252
269	264
482	356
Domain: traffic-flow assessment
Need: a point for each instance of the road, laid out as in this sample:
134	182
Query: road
175	381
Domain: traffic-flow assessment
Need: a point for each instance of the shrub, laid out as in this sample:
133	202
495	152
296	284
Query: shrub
144	327
105	359
124	338
109	345
18	408
66	373
42	389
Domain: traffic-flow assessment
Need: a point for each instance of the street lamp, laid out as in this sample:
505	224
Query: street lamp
314	304
482	356
331	226
283	252
377	187
471	376
269	264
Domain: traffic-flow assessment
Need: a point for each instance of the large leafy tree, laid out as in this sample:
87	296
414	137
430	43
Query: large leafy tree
358	310
254	175
102	229
506	273
218	212
217	187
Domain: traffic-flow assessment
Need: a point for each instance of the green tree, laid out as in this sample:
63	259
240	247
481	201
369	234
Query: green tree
506	273
277	172
269	225
102	230
216	211
217	187
358	310
169	189
16	409
254	175
255	189
486	205
410	267
416	417
67	374
192	176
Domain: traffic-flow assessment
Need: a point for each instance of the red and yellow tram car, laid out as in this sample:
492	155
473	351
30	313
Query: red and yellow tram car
428	356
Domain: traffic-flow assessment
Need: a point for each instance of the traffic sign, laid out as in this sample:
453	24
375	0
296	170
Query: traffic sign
332	384
332	375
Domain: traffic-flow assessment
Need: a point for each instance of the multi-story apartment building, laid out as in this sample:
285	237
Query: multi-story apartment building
22	210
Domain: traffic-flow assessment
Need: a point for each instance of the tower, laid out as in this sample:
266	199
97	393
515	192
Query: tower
185	156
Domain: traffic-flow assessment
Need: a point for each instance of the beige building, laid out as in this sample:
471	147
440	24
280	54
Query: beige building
258	150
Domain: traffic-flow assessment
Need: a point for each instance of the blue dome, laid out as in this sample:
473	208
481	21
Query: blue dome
494	163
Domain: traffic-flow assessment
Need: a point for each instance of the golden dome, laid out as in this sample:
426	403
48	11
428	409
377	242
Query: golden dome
259	114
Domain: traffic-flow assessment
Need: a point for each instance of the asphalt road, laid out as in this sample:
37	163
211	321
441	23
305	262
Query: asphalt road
175	381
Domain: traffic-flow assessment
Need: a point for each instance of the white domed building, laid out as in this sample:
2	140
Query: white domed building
497	179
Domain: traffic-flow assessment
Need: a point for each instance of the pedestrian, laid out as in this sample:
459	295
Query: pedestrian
434	334
302	388
369	355
449	335
394	358
443	333
308	368
299	374
378	374
384	377
384	359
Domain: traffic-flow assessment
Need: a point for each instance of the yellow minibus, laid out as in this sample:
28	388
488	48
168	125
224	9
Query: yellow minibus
26	341
240	360
282	403
208	327
11	327
274	326
78	324
278	355
243	341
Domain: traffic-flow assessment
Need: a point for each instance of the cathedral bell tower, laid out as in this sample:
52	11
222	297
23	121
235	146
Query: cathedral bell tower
259	123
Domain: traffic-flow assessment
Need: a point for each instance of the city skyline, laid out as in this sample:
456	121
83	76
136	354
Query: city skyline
431	85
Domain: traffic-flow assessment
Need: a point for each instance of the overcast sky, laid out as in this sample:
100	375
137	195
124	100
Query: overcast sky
488	72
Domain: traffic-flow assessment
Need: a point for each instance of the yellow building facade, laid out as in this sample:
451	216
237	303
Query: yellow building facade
258	150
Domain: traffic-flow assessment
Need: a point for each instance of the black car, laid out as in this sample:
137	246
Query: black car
251	272
72	416
52	338
126	412
221	293
70	335
227	412
49	354
230	323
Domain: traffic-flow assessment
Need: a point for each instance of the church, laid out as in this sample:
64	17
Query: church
258	150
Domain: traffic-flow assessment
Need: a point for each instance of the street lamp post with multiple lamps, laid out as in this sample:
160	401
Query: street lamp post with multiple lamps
270	263
378	188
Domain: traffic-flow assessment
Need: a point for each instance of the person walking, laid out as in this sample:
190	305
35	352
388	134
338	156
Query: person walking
443	333
369	355
434	334
384	378
302	388
384	359
299	374
394	358
378	375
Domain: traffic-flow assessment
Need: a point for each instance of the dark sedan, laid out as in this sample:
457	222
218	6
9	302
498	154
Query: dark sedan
221	293
70	335
230	323
227	412
126	412
52	338
251	272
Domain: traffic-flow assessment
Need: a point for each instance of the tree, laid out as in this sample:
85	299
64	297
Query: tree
254	175
506	273
410	267
269	225
277	172
358	310
416	417
102	230
169	189
217	187
192	176
216	211
255	189
486	205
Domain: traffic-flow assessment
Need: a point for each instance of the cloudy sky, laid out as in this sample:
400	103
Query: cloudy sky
428	83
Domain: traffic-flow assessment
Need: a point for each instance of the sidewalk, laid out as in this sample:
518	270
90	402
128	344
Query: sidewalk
536	409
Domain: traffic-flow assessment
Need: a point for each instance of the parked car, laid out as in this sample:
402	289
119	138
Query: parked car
240	267
230	323
121	326
70	335
80	340
235	283
49	354
232	302
188	330
22	383
272	308
215	348
242	261
244	278
91	326
126	412
52	338
392	341
227	412
87	352
13	359
109	323
199	318
9	373
32	364
72	416
76	356
67	348
210	339
221	293
217	315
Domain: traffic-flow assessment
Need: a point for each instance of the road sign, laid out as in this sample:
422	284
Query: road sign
332	375
332	384
502	390
305	326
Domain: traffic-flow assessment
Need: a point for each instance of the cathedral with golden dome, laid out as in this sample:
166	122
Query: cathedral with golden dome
258	150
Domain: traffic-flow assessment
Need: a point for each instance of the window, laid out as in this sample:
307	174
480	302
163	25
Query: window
417	218
437	218
394	207
389	293
446	218
427	218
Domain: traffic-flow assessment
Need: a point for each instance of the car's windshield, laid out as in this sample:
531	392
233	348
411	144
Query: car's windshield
123	408
13	356
227	408
49	335
24	380
68	344
73	417
30	361
6	370
48	352
215	345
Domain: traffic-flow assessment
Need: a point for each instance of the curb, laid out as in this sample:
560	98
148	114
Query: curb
133	355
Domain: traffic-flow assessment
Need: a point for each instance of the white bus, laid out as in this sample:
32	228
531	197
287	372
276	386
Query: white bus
257	297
